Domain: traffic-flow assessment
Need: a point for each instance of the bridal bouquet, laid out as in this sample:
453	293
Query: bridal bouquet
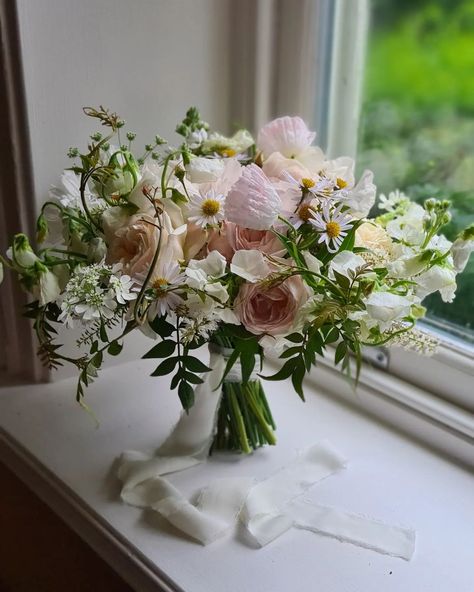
252	246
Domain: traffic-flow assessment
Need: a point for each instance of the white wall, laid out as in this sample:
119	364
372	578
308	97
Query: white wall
148	60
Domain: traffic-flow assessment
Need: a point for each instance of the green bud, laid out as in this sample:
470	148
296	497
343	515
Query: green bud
179	173
22	255
148	147
97	137
430	204
159	140
155	155
446	218
73	152
468	233
41	228
131	136
182	129
105	146
140	161
120	123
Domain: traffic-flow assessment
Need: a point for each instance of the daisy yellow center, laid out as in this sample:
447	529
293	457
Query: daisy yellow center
341	183
160	284
227	152
307	183
304	212
333	230
210	207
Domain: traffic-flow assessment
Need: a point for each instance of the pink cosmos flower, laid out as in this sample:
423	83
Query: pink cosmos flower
270	310
288	135
253	202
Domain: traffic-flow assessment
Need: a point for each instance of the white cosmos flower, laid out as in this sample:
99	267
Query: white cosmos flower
333	226
206	210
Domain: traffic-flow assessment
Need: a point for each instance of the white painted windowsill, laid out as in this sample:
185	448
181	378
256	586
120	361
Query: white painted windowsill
54	446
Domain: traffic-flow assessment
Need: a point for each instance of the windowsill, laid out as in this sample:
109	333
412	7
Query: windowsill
54	446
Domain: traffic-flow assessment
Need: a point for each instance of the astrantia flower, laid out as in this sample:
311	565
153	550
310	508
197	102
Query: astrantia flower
206	210
333	226
253	201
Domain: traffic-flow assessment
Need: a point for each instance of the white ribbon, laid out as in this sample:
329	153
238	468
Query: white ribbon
267	509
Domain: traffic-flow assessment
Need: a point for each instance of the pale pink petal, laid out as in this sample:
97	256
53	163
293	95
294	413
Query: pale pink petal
253	202
288	135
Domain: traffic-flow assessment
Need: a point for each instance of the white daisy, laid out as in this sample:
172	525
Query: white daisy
333	226
165	285
206	210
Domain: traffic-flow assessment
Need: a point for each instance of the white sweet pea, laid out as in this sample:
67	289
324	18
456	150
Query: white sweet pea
408	227
437	278
217	290
213	265
249	265
204	170
361	198
312	262
461	251
47	289
344	262
195	277
386	307
21	254
407	262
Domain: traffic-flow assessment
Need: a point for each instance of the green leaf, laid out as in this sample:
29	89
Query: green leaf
194	364
115	348
193	378
332	336
186	394
295	338
297	380
290	352
103	333
94	347
161	327
341	350
162	350
342	280
285	371
96	361
166	366
247	362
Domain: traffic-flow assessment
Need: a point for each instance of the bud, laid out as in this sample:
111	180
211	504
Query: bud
41	228
47	287
21	253
97	137
73	152
430	204
182	129
148	147
159	140
131	136
179	173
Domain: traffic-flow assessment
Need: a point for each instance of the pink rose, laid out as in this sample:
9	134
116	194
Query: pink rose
200	241
270	310
260	240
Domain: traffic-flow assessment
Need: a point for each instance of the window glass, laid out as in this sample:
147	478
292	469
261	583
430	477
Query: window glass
417	126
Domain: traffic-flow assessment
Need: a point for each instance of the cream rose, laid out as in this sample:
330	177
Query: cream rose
134	242
270	310
373	237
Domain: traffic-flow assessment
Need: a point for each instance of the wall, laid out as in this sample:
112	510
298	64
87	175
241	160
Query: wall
148	60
